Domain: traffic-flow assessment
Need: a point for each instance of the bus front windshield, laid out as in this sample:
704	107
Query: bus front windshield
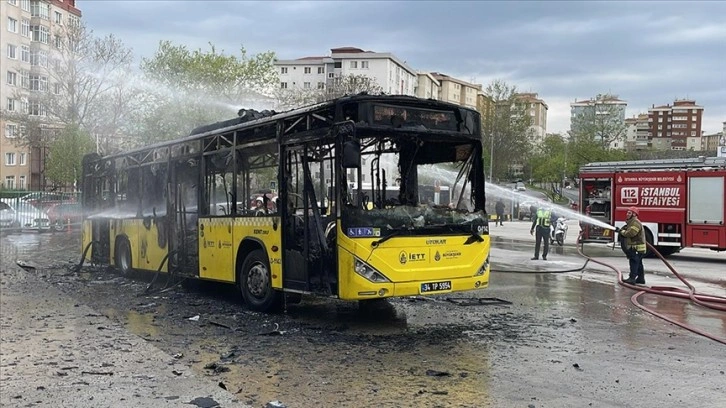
414	186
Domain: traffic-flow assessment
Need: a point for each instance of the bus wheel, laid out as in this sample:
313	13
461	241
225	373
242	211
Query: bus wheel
256	285
122	257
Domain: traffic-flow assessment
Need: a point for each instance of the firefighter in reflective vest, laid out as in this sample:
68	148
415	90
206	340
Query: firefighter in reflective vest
634	247
542	224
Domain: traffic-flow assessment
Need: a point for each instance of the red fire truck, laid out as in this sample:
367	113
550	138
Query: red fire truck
682	202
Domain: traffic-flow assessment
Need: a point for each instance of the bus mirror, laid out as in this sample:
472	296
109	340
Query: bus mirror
351	154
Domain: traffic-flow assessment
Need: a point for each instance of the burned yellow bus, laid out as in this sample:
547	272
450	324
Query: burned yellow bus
274	202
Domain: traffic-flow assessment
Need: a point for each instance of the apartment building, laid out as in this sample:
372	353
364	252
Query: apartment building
428	86
537	110
392	74
27	43
676	127
607	110
456	91
637	135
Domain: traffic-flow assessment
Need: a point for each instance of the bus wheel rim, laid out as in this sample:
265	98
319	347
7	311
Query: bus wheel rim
257	280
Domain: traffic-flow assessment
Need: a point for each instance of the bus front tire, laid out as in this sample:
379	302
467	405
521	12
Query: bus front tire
122	257
255	284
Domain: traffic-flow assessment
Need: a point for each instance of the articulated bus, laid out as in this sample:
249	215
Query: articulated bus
185	207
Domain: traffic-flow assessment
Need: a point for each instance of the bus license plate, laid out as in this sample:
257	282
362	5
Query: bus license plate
435	286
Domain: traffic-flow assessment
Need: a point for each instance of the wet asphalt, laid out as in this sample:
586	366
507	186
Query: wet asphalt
555	339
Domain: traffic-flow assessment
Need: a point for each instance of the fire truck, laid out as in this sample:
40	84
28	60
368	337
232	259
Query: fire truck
682	202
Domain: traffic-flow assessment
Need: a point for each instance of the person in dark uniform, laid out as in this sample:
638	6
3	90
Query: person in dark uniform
541	222
499	208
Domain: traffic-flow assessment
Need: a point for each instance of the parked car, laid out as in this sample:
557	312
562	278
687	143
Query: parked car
520	186
7	216
44	200
66	215
25	216
525	209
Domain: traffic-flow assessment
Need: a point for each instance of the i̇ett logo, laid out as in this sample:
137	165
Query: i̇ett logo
402	257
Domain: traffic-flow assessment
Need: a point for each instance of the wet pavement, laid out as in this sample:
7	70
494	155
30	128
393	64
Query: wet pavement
560	339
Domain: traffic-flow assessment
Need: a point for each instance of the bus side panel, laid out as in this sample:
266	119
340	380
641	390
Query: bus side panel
151	253
216	249
86	237
266	230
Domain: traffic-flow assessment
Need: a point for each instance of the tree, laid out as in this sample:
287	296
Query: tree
66	154
506	126
344	85
187	88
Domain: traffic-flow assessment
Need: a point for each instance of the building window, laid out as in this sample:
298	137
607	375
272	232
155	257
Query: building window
11	105
38	83
25	53
12	51
21	183
13	2
39	58
11	131
321	70
364	64
21	159
25	79
306	85
695	118
660	127
693	133
283	85
25	28
40	9
36	108
12	78
321	85
58	18
308	70
39	33
56	89
331	75
12	25
354	64
283	70
10	159
10	182
25	5
693	125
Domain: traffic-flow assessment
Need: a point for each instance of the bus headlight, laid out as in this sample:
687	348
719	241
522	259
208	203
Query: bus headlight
368	272
483	268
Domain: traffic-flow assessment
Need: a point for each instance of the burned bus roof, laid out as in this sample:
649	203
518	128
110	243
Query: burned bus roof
268	117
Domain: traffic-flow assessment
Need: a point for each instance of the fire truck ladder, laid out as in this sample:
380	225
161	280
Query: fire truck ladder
658	164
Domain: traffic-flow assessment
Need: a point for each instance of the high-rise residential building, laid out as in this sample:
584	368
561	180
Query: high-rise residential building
603	113
672	126
537	110
456	91
392	74
428	86
27	42
637	135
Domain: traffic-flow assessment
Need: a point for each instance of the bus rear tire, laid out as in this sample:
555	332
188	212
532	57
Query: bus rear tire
122	257
255	283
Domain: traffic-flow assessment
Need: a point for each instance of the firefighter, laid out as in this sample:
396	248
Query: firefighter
635	247
542	223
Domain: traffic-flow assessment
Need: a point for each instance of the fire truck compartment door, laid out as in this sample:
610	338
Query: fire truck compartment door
706	200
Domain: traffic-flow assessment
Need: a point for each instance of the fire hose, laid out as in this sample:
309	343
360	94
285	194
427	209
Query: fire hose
708	301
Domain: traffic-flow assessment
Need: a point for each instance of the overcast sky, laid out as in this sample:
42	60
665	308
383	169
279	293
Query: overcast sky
646	52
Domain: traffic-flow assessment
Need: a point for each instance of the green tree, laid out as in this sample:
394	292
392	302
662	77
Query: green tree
601	123
66	154
506	127
185	88
344	85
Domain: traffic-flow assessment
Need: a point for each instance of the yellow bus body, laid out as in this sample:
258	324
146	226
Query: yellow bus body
406	261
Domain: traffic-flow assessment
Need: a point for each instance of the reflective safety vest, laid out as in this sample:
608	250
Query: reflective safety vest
543	217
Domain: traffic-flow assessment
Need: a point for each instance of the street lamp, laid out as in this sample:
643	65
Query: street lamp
491	157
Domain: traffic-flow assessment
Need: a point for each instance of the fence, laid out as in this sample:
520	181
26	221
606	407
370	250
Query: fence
39	211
